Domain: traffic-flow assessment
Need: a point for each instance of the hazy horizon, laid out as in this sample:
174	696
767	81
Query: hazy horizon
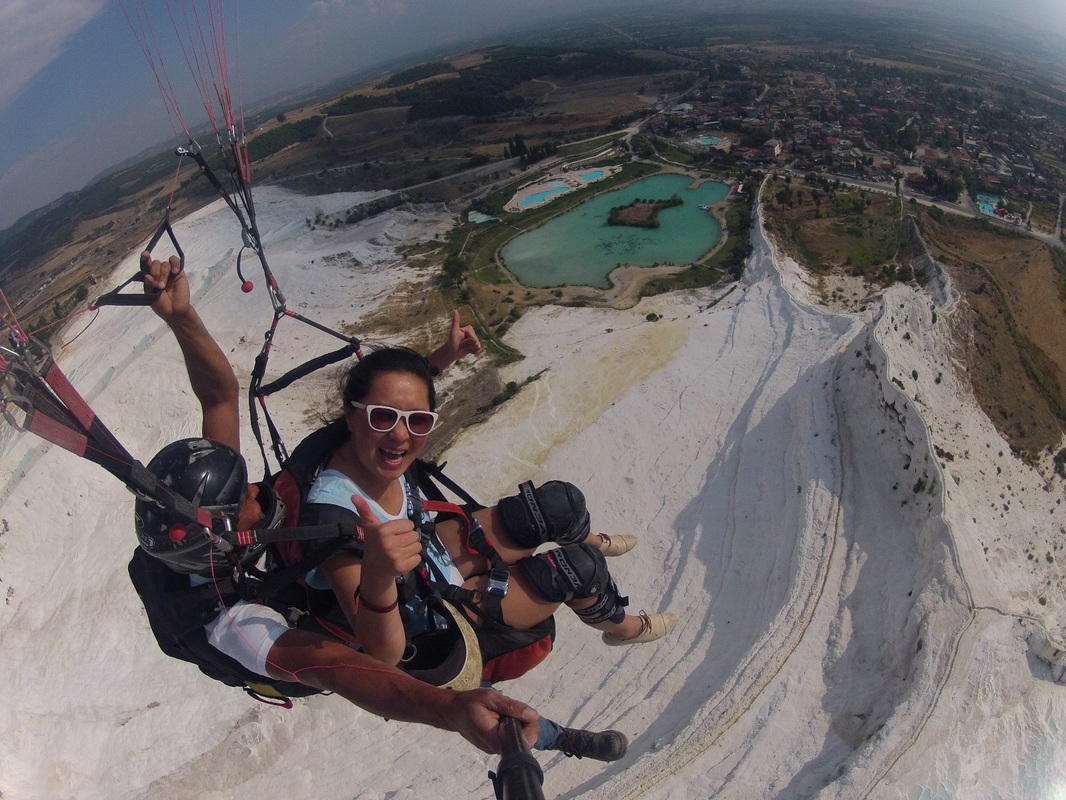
77	96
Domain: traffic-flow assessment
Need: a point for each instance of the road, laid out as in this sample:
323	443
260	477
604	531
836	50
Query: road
1055	239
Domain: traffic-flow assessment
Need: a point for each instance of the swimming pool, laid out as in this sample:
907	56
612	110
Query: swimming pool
988	203
710	141
551	189
592	175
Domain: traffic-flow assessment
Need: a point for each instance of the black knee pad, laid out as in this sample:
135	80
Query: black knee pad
554	512
576	572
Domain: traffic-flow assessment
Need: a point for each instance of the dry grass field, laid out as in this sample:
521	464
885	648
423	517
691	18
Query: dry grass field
379	149
840	229
1011	333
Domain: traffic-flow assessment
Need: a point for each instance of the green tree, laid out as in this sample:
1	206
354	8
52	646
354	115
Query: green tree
454	269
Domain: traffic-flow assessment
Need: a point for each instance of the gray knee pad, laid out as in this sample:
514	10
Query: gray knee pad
554	512
576	572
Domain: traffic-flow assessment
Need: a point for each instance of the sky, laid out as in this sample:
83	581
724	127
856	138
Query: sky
77	96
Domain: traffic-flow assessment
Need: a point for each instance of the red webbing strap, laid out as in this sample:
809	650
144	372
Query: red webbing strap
66	392
444	507
66	421
58	414
57	433
255	694
55	421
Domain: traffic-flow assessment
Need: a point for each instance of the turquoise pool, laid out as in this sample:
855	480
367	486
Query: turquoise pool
551	189
988	203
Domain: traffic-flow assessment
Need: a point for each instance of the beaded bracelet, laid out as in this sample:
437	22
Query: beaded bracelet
371	607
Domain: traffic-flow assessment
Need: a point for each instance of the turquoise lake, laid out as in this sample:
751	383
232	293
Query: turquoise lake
579	248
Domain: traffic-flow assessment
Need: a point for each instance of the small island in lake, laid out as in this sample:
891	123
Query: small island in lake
641	213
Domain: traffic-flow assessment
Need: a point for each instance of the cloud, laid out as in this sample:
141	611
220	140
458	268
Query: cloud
33	33
324	7
366	8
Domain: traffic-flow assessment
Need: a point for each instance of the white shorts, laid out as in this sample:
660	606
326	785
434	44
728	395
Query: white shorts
246	632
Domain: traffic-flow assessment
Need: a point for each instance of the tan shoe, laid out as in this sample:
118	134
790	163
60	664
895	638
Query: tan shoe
617	545
652	627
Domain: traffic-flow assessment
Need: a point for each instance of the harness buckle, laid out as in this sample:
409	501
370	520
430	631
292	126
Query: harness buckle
498	578
295	615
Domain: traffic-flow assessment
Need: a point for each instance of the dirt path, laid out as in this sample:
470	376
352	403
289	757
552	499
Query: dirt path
626	283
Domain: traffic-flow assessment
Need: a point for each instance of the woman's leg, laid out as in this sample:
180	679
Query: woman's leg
526	606
578	576
522	608
529	602
452	536
450	533
631	629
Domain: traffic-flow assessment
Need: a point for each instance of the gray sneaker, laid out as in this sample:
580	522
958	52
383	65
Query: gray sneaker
603	746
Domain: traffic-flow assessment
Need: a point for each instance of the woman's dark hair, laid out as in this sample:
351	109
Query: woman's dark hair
386	360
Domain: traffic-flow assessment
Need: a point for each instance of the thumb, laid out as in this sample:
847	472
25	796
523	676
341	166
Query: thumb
507	706
455	321
521	712
526	717
366	514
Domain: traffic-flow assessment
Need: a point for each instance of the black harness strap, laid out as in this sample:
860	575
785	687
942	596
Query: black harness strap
276	581
338	529
198	605
474	540
428	474
258	393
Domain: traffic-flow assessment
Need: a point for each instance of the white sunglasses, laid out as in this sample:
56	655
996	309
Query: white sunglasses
384	418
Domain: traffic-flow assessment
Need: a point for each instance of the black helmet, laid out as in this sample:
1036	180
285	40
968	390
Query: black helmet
212	476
